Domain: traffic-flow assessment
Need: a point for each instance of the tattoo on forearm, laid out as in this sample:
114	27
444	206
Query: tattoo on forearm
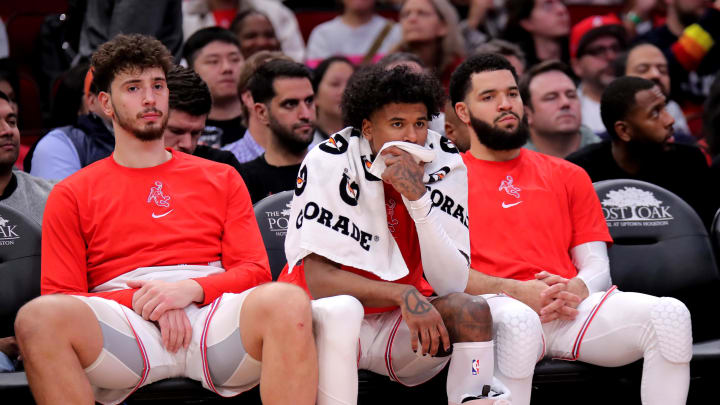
415	303
408	180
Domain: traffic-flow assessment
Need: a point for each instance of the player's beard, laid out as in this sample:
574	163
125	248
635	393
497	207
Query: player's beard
147	133
291	141
496	138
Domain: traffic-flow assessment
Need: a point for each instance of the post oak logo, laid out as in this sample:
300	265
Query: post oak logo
8	233
631	206
278	220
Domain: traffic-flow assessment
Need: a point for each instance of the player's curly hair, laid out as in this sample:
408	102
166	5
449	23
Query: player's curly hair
125	53
373	88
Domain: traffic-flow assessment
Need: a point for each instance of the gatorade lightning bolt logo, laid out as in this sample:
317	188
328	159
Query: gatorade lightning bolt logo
447	145
439	175
301	181
349	191
367	164
335	145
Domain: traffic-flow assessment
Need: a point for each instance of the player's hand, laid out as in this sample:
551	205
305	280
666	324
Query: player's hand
175	330
530	293
156	297
9	346
424	322
561	301
403	173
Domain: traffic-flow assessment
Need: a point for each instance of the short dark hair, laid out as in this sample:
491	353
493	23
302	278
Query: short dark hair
201	38
373	88
460	81
536	70
125	53
188	92
396	57
620	62
238	20
618	100
323	66
504	48
261	82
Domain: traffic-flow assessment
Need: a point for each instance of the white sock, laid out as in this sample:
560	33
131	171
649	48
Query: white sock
471	368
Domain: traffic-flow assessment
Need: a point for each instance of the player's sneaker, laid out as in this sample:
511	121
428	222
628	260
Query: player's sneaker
495	395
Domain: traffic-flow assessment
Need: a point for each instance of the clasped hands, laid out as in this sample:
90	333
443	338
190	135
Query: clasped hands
556	297
164	303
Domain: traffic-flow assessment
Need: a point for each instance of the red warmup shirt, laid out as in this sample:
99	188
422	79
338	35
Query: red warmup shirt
107	220
402	227
527	213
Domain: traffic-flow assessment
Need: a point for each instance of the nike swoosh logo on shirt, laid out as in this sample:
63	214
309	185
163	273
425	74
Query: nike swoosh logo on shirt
154	215
510	205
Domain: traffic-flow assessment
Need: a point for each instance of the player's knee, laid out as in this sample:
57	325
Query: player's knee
671	321
467	317
39	317
518	340
341	311
285	303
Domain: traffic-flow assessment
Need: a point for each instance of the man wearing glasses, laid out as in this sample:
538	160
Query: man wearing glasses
595	42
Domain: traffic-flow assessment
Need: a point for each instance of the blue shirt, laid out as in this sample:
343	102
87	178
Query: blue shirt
246	149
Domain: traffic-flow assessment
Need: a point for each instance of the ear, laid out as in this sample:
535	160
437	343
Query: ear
261	110
461	109
106	104
443	29
575	64
623	131
529	115
367	130
247	99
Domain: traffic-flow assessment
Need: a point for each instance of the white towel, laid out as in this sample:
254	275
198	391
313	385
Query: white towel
338	210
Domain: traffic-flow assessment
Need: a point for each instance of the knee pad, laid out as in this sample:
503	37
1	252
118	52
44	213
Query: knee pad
338	316
671	320
518	340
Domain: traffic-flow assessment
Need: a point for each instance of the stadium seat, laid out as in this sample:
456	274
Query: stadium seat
273	216
715	233
19	283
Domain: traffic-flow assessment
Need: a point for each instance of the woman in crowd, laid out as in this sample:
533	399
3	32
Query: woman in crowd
329	81
255	33
430	31
358	33
540	28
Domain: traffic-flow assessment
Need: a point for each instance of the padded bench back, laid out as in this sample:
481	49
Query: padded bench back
660	248
19	265
273	216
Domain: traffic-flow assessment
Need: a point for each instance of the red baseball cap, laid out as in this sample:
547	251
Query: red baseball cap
592	28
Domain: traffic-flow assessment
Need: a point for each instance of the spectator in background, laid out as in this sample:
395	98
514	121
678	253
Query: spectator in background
553	111
711	124
285	104
198	14
20	191
190	105
255	33
481	24
540	28
65	150
358	34
647	61
430	31
642	147
510	51
104	19
455	129
4	43
329	80
214	53
595	43
256	137
687	40
69	100
9	81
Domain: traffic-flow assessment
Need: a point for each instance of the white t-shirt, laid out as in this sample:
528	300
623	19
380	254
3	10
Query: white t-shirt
590	113
334	37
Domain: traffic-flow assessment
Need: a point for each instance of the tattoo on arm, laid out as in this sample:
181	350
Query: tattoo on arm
408	181
415	303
